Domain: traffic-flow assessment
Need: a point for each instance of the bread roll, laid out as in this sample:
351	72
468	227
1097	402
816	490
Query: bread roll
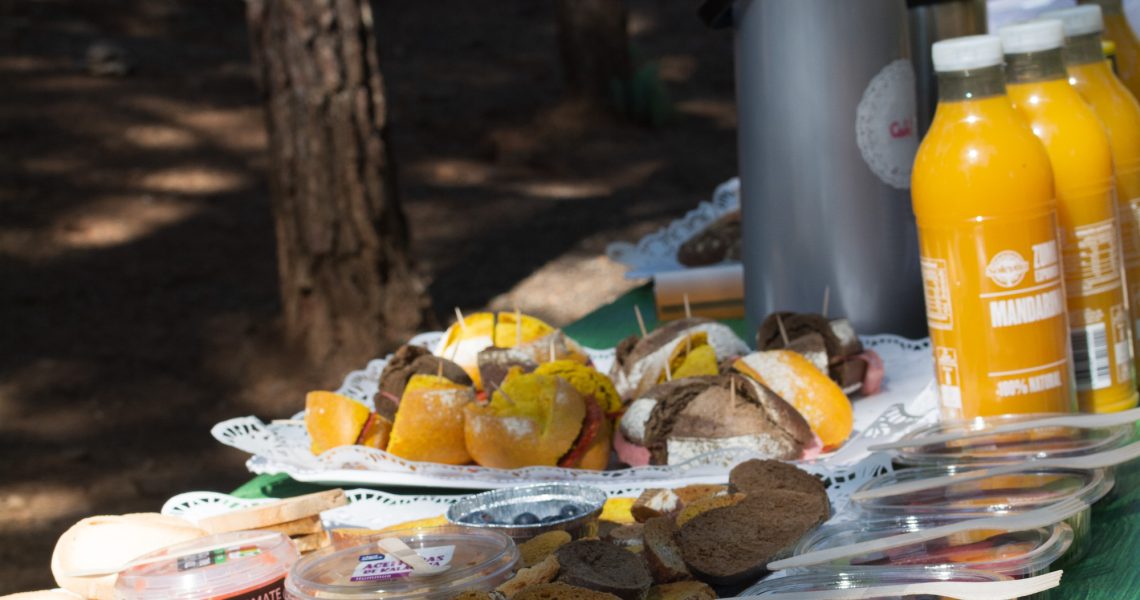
107	543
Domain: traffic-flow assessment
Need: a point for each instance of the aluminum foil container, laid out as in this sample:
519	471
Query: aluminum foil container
543	501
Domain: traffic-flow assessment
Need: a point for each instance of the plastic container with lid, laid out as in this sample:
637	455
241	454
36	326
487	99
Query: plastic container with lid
1002	494
1010	553
229	566
823	580
1053	442
479	560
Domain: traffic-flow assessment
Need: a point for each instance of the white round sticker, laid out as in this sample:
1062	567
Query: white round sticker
886	125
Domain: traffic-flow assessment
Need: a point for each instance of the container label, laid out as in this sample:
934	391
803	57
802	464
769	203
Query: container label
271	591
1094	259
886	124
936	285
216	557
383	567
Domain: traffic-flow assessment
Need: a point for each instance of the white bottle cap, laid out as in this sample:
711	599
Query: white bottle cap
1035	36
1082	20
965	53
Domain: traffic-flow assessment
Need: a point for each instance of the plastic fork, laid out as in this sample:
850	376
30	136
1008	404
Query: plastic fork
1080	421
961	590
1041	517
1099	460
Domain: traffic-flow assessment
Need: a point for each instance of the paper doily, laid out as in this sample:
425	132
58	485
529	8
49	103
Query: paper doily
657	251
283	446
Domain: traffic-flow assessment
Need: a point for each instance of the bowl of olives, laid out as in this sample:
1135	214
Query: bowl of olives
526	511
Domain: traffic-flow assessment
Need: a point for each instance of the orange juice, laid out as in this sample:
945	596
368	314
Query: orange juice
1117	29
1119	112
1099	323
988	236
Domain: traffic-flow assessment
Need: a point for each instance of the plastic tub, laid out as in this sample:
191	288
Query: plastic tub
240	565
1012	554
1054	442
480	560
824	580
1002	494
499	510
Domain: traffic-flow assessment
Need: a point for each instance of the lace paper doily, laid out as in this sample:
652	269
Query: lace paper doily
283	446
657	251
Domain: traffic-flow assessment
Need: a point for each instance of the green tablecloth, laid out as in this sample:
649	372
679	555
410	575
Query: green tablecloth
1109	572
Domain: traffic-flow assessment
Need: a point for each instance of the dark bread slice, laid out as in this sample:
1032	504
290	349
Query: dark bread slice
603	567
561	591
682	590
761	476
661	551
717	242
769	336
732	546
405	363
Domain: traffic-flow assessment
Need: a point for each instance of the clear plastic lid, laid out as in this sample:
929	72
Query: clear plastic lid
479	560
999	494
1009	553
1052	442
822	580
218	566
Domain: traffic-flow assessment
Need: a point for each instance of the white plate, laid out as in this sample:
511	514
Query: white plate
283	447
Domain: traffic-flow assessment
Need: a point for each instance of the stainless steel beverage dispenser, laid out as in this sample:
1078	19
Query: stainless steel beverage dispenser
827	138
932	21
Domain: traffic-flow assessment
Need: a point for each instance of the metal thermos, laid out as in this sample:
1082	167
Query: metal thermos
933	21
827	138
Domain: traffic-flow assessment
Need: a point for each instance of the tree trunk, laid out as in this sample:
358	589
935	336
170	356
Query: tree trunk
347	283
594	45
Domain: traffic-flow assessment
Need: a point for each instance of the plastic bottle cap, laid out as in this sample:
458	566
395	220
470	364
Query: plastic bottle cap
1035	36
970	52
1082	20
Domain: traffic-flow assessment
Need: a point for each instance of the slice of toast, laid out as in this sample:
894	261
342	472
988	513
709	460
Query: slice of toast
274	513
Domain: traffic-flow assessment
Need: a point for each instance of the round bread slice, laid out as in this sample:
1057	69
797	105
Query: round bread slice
661	551
603	567
732	546
107	543
760	476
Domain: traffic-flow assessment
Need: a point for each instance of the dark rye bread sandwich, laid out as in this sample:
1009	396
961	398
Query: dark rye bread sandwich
603	567
405	363
732	546
759	476
640	363
685	418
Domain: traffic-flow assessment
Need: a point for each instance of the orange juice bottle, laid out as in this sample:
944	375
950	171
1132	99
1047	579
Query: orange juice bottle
1117	29
1119	112
1099	324
989	241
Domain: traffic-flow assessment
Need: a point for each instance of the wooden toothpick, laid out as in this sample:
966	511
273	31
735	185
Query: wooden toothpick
499	389
494	327
518	327
826	300
439	368
783	332
552	354
640	321
688	309
462	322
668	371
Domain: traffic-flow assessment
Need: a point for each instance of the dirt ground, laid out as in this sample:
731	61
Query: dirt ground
138	303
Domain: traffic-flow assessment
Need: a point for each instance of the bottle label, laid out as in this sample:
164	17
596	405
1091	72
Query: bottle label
996	308
886	129
1092	259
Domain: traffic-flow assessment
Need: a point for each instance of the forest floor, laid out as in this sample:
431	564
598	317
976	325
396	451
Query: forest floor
139	299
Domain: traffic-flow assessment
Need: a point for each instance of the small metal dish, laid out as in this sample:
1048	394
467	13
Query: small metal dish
544	500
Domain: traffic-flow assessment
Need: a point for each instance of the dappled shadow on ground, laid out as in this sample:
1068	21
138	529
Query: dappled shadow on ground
139	302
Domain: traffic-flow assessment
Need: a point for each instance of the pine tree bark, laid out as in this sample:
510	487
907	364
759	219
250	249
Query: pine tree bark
347	285
594	45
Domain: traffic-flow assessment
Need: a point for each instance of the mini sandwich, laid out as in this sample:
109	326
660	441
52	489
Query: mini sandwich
530	342
429	423
683	348
682	419
538	420
831	345
407	362
333	420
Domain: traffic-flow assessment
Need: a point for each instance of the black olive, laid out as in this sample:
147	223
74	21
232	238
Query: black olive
526	519
570	511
